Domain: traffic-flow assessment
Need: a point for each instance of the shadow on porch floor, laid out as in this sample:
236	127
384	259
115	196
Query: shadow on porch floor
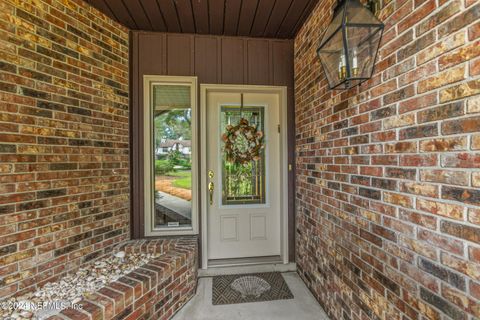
302	307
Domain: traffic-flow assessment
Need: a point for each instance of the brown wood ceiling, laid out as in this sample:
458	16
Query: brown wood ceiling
254	18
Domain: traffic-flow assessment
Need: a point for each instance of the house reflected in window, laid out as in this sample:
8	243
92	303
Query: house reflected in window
173	156
167	145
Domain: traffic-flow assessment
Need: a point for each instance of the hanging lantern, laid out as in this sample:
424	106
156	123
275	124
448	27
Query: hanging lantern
349	46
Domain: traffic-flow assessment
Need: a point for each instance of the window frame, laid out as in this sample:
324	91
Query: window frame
149	173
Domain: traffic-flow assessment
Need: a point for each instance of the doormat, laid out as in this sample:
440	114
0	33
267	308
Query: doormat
255	287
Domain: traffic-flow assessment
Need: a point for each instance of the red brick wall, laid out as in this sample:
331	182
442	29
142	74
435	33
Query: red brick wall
388	183
63	139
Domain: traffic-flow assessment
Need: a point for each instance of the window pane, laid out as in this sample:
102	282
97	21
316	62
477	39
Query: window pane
172	158
243	183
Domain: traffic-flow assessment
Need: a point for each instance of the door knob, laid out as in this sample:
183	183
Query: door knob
211	186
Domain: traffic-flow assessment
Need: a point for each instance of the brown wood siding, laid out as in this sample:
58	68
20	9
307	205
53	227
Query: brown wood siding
258	58
206	58
232	60
179	55
214	60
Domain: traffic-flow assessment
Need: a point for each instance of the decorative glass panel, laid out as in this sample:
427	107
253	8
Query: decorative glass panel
243	183
172	156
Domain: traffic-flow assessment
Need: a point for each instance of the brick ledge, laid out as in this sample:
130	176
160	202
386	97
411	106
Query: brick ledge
157	290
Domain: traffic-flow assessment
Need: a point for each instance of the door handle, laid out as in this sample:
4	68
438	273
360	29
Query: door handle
211	186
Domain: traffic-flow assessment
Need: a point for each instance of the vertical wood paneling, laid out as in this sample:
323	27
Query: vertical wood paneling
258	62
148	57
212	59
206	59
135	166
219	59
151	49
232	60
282	55
179	55
291	173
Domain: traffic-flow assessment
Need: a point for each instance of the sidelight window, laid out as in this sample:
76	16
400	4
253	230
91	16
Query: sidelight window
170	155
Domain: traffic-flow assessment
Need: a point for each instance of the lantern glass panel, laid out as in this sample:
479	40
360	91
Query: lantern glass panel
333	27
362	43
331	57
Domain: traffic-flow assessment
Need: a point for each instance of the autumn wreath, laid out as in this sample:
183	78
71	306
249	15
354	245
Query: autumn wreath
243	142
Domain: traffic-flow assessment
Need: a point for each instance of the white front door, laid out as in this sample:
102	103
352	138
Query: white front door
244	214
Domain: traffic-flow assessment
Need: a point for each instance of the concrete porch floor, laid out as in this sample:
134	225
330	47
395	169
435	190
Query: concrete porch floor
302	307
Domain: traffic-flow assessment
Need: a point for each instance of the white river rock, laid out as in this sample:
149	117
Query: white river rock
74	286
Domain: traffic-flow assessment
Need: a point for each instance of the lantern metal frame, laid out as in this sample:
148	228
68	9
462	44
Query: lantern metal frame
343	5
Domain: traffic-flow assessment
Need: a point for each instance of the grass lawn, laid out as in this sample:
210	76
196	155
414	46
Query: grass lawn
183	179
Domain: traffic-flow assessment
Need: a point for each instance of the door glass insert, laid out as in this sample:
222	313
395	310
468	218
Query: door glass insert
243	183
172	156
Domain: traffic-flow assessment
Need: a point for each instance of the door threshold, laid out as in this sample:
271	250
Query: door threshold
213	263
246	265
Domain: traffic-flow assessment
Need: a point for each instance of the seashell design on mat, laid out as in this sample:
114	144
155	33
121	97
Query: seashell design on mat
250	286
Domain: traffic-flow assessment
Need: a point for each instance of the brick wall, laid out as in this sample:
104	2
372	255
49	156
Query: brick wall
388	193
63	139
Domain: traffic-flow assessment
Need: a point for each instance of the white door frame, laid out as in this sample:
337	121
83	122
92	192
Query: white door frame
282	93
